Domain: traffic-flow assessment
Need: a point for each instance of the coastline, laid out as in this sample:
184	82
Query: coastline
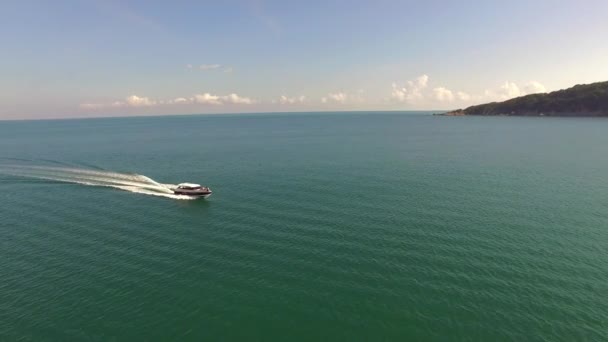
461	112
582	100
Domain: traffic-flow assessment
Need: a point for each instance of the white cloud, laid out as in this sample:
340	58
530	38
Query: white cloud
462	96
411	91
420	82
291	100
136	101
235	99
338	97
209	66
510	90
228	69
131	101
181	100
442	94
189	66
207	98
534	87
335	97
417	92
399	93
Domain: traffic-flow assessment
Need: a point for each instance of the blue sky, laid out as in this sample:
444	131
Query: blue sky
113	58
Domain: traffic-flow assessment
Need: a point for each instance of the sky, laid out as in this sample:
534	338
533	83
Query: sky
92	58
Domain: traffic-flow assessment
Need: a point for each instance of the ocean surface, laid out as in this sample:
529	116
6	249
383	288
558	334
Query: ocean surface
322	226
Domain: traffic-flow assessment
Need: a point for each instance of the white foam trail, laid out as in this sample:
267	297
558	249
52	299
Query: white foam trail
128	182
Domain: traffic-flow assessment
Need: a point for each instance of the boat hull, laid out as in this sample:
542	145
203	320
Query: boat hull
194	194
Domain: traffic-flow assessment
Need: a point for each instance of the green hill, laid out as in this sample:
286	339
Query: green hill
580	100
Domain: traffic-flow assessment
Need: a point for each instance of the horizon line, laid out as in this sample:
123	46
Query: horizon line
219	114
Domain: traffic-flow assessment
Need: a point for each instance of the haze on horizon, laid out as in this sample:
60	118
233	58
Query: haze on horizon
122	58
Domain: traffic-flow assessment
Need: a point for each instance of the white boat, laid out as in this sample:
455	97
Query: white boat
191	189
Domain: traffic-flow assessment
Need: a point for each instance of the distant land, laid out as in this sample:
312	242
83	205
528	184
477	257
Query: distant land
580	100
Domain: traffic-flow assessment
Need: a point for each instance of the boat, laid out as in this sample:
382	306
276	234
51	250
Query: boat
191	189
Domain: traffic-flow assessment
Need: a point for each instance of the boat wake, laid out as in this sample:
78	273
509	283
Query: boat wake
95	177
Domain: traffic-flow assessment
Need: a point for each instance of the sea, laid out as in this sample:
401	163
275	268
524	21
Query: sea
350	226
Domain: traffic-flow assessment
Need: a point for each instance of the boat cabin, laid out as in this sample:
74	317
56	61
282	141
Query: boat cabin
189	186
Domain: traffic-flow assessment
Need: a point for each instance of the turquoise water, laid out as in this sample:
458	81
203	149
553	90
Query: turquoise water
350	226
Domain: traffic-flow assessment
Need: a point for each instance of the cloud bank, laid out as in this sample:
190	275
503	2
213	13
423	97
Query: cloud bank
291	100
135	101
418	92
339	97
411	91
